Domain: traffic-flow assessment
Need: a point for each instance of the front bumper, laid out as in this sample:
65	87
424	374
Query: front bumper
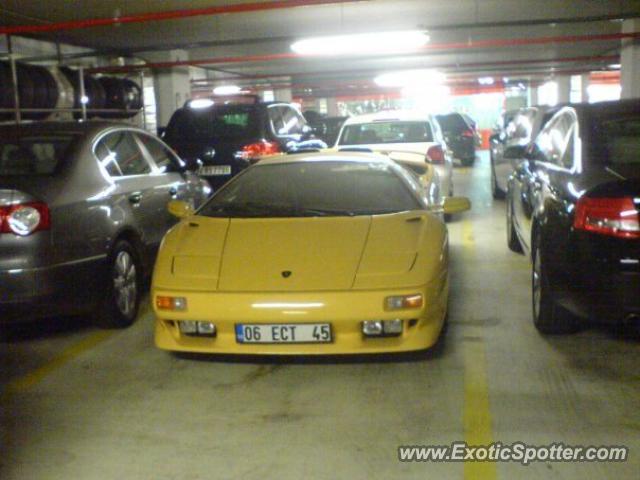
343	310
62	289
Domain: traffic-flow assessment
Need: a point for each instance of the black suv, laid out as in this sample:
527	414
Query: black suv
460	134
220	136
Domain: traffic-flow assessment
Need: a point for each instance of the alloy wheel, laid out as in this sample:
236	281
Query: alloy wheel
125	283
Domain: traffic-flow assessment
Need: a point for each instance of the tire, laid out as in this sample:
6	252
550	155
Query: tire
121	302
496	191
548	317
512	237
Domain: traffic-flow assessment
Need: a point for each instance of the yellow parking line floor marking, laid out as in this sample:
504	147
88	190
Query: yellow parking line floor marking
30	379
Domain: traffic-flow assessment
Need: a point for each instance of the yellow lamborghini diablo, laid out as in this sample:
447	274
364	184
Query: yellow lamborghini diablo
307	254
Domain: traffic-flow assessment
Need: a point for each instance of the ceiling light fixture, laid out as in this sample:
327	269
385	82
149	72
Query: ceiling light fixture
226	90
361	43
410	78
485	80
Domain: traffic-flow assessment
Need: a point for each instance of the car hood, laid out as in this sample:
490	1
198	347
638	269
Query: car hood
302	254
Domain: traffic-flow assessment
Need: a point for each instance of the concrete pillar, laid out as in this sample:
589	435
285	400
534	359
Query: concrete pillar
564	88
630	61
283	95
172	86
533	95
584	87
332	107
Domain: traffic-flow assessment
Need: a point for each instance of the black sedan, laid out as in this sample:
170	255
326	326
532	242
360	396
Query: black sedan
82	214
573	205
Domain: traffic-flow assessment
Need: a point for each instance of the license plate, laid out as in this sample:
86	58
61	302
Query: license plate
284	333
213	170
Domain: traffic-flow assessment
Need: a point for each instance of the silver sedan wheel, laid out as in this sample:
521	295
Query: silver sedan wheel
125	283
536	284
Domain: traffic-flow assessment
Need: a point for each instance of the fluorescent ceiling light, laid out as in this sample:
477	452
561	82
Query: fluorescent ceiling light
226	90
200	103
362	43
410	78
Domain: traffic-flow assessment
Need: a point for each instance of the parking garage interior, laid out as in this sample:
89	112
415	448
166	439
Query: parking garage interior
79	401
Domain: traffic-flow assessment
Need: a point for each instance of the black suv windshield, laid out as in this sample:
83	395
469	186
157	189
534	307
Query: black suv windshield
219	121
319	188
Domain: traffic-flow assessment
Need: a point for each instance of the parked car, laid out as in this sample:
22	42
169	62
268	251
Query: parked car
325	128
220	136
314	253
398	131
82	213
510	144
573	206
460	135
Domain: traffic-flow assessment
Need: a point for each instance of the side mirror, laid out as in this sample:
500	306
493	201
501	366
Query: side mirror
180	209
456	205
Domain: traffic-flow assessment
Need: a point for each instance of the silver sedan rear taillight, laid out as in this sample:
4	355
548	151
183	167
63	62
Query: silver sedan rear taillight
24	219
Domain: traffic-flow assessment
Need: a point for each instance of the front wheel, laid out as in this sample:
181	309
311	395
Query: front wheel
119	307
548	317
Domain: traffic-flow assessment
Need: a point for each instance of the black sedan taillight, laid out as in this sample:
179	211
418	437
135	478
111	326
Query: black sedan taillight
617	217
25	218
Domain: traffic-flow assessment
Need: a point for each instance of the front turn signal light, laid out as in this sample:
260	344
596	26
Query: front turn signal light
171	303
401	302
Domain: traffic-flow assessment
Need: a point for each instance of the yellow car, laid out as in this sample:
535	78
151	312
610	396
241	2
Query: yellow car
311	253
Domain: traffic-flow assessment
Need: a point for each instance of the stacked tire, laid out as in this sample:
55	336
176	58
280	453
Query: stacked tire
43	88
96	96
37	89
121	94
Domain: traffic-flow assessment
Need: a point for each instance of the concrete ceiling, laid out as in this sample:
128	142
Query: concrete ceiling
249	44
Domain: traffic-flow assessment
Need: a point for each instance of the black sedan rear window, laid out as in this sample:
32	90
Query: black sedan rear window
32	155
313	189
622	140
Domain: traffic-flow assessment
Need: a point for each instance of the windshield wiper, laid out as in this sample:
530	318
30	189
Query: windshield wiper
325	212
250	209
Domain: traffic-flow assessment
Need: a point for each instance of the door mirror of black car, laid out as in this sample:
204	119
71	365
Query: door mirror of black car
515	152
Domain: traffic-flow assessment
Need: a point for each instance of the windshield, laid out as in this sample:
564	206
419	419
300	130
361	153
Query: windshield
229	122
32	155
313	189
386	132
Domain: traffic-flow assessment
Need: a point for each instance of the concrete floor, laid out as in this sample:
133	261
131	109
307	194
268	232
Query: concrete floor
79	403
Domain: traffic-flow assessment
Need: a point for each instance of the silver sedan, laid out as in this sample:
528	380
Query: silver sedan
82	214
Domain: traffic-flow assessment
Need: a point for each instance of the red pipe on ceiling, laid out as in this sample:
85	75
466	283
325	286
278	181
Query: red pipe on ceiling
489	43
169	15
